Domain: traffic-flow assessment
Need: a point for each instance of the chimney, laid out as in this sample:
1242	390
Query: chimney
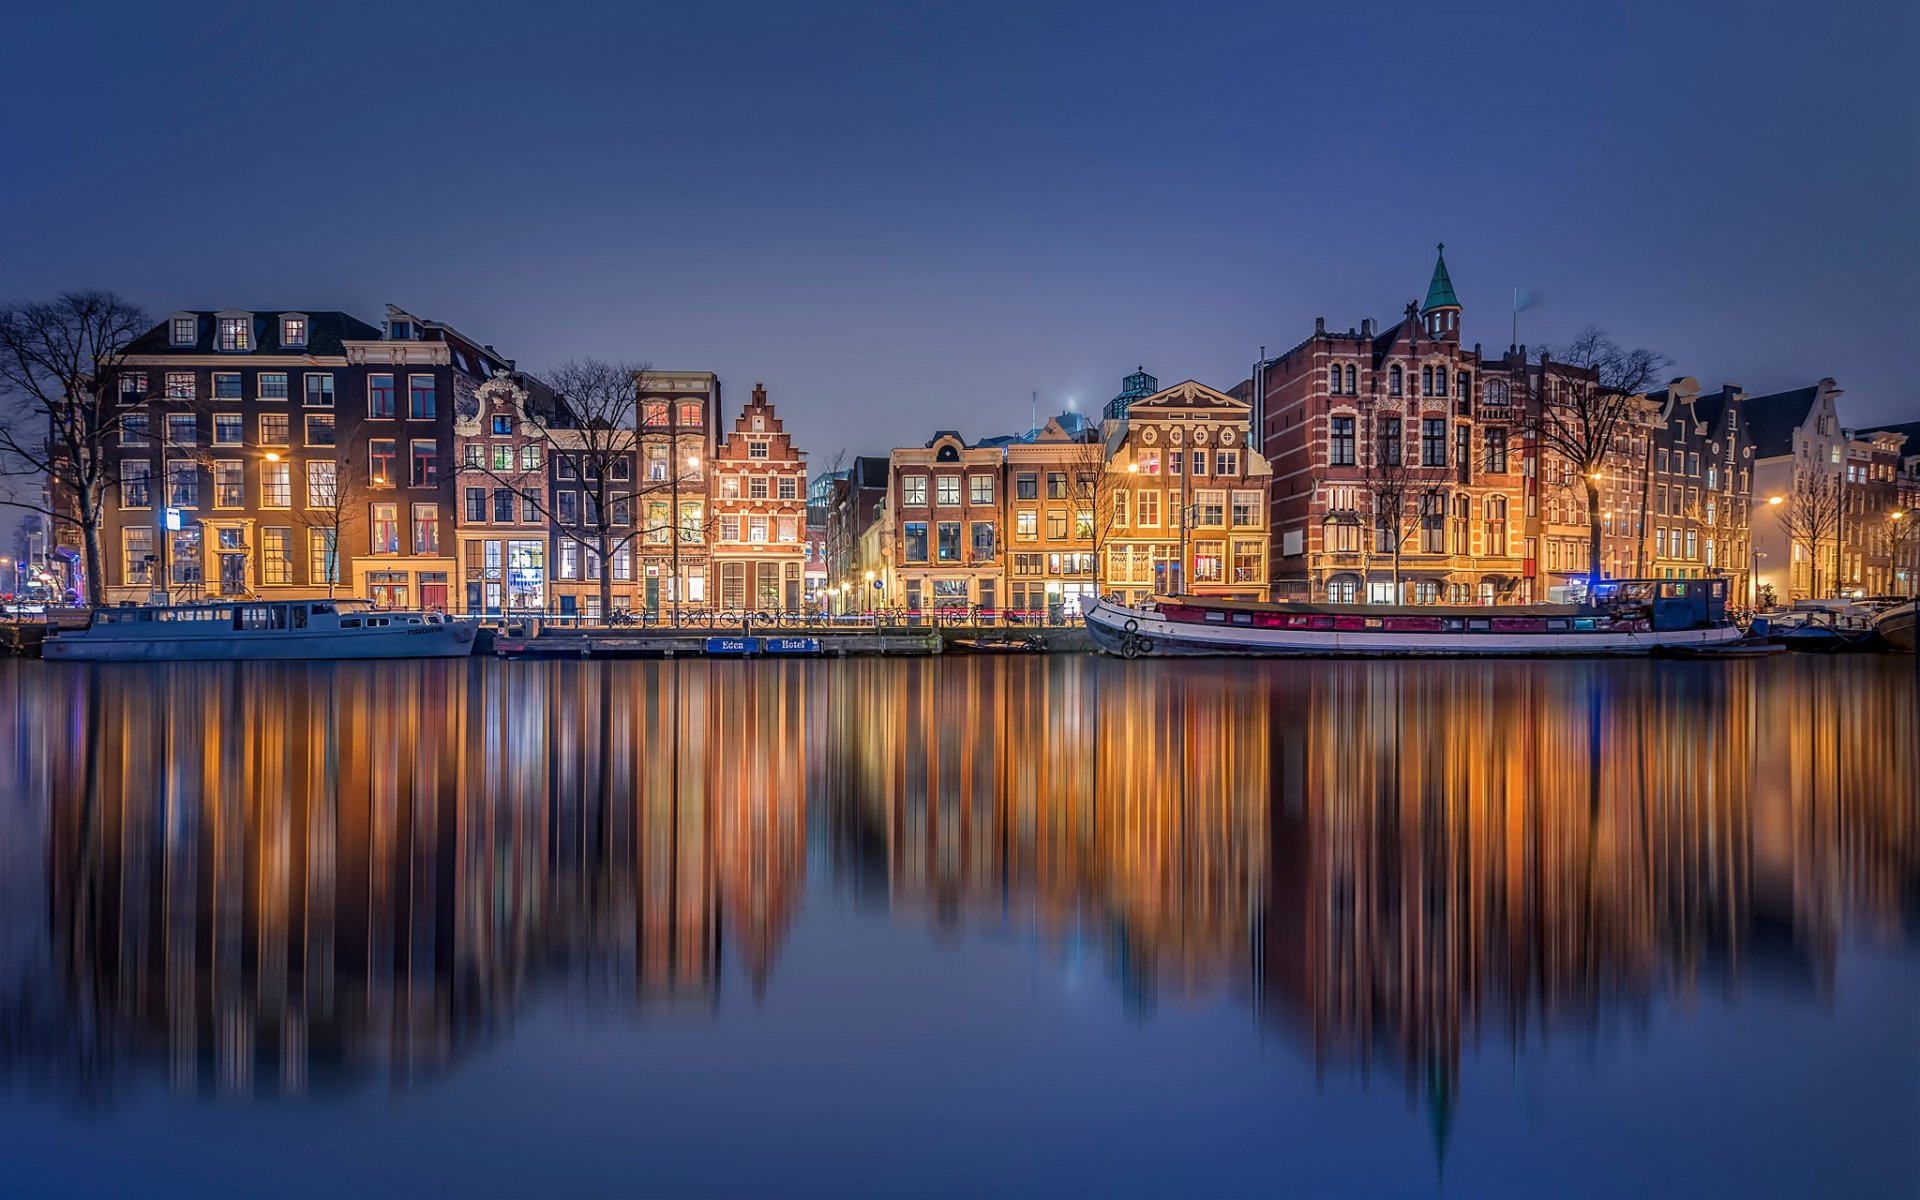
1319	325
1366	327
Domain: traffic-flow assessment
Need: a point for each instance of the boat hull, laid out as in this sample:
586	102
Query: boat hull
1135	633
1896	626
452	639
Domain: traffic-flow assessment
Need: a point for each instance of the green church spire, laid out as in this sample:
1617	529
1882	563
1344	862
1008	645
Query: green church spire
1440	291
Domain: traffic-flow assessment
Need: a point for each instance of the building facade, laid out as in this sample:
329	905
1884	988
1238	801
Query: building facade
1049	485
758	546
288	454
945	505
503	532
678	412
1185	510
1401	465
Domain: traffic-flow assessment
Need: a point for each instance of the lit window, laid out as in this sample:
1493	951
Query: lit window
386	529
236	333
186	331
322	484
293	331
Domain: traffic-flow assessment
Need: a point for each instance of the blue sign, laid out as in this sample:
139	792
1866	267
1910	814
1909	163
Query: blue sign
792	645
732	645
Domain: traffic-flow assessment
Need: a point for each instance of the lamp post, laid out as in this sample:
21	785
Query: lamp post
869	593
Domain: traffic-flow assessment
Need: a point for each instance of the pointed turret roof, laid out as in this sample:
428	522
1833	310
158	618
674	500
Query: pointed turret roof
1440	291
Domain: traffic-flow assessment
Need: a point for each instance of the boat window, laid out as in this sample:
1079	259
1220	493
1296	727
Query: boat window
1585	623
299	616
1480	625
253	616
1375	623
1216	616
1557	624
1243	618
1321	623
322	608
1455	625
349	622
373	621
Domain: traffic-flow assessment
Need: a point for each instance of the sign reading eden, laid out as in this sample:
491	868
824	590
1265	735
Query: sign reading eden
732	645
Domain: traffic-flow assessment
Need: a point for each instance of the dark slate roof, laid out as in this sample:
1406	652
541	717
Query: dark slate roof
1440	291
1384	340
1709	407
1910	428
1772	418
325	333
870	471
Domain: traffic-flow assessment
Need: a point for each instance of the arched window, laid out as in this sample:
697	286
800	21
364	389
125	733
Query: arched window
1426	381
1394	382
1439	381
1353	382
1496	533
1494	392
1333	379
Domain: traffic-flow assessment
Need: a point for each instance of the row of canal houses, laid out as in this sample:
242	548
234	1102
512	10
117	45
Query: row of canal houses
1384	465
308	454
312	454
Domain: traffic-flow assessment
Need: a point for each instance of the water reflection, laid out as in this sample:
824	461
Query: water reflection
282	878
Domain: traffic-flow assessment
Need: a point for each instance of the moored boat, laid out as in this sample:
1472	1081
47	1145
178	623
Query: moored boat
1627	617
1895	626
276	629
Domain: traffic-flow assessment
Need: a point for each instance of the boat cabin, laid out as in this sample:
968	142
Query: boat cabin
1667	604
256	617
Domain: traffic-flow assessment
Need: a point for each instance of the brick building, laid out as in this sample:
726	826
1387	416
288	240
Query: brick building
1048	523
1402	439
945	510
504	532
289	455
758	547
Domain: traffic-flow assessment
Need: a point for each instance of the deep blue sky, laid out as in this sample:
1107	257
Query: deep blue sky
908	217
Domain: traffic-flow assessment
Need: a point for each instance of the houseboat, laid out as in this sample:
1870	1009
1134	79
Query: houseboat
1625	617
274	629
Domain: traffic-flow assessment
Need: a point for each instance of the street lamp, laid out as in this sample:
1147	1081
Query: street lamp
869	593
1776	499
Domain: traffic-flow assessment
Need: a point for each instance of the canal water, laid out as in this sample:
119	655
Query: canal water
960	927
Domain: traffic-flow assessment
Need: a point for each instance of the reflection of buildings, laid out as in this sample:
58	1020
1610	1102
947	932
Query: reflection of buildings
276	871
999	806
271	876
1460	848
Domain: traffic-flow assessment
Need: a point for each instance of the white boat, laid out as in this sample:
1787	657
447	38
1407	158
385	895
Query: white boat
1628	617
1896	625
255	629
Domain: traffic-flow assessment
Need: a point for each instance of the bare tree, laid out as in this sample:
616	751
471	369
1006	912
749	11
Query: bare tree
588	429
326	507
1095	491
1812	517
1396	487
1583	404
60	416
1899	533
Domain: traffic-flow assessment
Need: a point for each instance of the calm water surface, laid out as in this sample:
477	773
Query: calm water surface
962	927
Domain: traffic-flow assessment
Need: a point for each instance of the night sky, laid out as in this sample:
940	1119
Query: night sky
903	218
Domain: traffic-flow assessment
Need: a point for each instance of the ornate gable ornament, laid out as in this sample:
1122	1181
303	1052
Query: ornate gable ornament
496	393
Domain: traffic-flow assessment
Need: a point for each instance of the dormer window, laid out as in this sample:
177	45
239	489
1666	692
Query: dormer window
185	330
400	331
236	333
293	331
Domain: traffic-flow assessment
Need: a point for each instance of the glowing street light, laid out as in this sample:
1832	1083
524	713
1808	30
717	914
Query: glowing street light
1776	499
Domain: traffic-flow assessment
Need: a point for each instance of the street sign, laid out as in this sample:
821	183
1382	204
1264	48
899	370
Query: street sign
173	520
733	645
792	645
